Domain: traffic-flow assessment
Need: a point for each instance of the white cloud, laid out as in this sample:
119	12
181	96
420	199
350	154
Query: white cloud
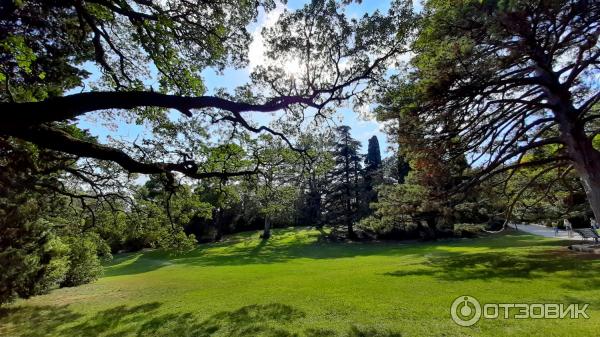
256	52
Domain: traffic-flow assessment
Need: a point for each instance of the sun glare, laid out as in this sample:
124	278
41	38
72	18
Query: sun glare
292	67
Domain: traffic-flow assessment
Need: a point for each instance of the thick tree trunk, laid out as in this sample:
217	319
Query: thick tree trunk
585	159
591	184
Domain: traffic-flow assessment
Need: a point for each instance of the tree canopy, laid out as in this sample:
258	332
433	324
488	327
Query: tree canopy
171	42
500	80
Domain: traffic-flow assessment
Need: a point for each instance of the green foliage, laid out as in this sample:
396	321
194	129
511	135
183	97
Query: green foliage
177	241
43	39
37	61
33	258
396	210
373	158
468	230
546	195
315	181
425	203
22	54
84	263
30	270
596	142
372	176
162	215
469	95
342	198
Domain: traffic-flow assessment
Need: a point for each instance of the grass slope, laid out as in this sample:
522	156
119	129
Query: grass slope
293	285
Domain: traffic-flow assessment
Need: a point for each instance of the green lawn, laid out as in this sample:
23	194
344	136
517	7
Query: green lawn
295	285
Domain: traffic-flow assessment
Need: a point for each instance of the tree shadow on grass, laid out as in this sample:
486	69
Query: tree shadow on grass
268	320
252	320
35	321
118	321
284	246
252	251
501	265
354	331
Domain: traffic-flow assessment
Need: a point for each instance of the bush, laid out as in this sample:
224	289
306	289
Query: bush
84	263
33	260
392	228
464	230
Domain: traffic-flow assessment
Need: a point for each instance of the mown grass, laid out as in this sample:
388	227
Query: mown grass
296	285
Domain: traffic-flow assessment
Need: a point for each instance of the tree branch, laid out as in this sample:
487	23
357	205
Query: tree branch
59	140
23	115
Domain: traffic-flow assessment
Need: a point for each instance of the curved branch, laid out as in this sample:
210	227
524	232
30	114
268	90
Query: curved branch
59	140
23	115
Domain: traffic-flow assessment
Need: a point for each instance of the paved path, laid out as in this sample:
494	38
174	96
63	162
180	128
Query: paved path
545	231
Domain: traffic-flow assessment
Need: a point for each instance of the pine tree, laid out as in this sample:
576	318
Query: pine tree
373	159
372	176
342	199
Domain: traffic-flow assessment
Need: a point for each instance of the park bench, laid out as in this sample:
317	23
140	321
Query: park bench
587	233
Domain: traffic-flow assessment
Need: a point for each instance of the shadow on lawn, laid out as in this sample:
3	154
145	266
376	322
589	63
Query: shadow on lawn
35	321
281	247
269	320
582	273
284	246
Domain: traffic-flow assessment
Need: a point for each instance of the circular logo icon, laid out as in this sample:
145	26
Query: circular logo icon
465	310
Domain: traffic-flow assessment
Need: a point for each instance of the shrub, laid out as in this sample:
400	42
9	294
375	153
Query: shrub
386	227
464	230
33	260
84	263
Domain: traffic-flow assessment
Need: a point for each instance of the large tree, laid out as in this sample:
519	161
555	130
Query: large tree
373	158
342	198
277	184
372	176
501	79
318	163
49	46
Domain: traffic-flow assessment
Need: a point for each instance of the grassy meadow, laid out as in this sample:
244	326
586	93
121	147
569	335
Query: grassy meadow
296	285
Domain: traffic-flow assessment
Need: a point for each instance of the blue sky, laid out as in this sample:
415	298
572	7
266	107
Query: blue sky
361	129
232	78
